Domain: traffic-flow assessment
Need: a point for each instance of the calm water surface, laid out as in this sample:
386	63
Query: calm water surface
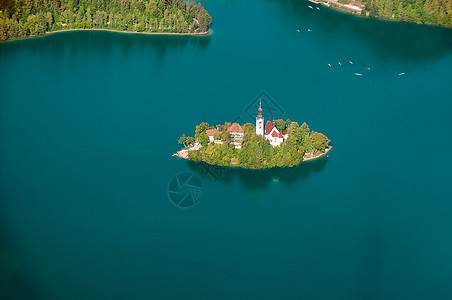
89	120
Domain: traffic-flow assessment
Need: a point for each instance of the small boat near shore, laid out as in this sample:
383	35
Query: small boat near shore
310	7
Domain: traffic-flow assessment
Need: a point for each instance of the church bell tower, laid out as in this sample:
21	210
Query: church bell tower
260	120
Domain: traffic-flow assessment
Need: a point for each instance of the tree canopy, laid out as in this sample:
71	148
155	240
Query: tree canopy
435	12
24	18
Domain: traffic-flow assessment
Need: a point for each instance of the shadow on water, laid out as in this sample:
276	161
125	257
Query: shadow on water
256	179
78	41
13	283
388	39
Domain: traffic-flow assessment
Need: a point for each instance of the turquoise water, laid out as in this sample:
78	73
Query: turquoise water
89	120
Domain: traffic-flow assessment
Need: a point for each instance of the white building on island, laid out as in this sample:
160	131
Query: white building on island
236	131
210	134
273	135
260	120
269	131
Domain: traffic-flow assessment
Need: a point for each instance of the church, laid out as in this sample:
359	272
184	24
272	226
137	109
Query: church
270	131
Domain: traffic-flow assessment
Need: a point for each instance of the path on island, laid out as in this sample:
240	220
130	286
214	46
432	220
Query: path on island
349	6
318	156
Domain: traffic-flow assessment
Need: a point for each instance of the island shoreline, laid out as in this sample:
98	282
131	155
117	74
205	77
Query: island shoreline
185	156
318	156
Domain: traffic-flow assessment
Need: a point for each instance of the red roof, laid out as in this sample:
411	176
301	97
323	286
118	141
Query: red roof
276	134
268	127
235	128
210	132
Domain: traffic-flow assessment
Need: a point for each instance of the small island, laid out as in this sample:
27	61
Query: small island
273	144
23	19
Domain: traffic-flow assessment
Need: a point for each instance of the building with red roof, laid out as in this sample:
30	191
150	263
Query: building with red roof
235	128
276	134
269	127
210	133
275	137
272	134
269	131
236	131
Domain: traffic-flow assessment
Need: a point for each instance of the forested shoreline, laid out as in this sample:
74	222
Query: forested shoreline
28	18
433	12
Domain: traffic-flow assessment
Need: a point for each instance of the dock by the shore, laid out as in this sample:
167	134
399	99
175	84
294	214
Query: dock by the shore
318	156
184	153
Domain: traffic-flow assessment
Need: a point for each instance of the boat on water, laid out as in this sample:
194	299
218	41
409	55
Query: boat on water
368	68
350	62
329	65
309	30
358	74
318	8
339	63
298	30
402	74
310	7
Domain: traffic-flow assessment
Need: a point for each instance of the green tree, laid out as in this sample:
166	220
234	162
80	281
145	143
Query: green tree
203	139
226	136
32	24
201	128
280	125
319	141
49	20
3	30
190	141
304	130
203	18
294	132
182	140
88	18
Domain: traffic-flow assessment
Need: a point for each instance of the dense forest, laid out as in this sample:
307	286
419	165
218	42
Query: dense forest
24	18
435	12
256	151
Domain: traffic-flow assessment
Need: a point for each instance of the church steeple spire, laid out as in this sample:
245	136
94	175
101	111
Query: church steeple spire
259	111
260	120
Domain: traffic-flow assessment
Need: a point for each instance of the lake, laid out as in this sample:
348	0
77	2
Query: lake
89	121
